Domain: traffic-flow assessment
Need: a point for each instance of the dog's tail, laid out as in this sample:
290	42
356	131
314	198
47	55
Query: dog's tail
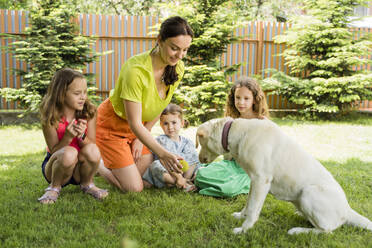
358	220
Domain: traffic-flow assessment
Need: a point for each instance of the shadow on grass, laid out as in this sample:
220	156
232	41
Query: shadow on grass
23	126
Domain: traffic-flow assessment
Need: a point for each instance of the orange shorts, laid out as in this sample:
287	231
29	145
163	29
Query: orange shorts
114	138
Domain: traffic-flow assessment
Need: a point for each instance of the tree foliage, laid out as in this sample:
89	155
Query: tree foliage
267	10
117	7
14	4
51	42
249	9
323	56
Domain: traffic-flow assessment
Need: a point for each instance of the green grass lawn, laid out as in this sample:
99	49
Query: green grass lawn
172	218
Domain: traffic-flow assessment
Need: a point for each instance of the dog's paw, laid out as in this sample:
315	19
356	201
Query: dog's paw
298	230
294	230
237	215
238	230
299	213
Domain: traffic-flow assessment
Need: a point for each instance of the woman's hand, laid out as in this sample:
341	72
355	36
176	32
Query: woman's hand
137	147
171	162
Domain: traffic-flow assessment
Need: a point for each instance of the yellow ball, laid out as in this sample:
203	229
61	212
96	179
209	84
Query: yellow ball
185	165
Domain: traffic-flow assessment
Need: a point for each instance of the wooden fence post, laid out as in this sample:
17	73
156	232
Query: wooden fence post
259	55
128	36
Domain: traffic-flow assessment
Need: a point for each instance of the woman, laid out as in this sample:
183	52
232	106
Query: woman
144	88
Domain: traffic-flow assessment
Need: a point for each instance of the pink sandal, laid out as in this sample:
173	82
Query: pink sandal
94	191
47	198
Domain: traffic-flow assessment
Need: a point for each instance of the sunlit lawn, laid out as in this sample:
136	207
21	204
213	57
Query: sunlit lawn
172	218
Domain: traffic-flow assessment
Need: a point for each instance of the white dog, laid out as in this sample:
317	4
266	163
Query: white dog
277	164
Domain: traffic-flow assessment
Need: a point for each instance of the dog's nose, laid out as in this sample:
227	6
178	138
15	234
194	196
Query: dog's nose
203	159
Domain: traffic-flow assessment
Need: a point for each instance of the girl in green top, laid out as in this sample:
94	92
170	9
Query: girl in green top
226	178
144	88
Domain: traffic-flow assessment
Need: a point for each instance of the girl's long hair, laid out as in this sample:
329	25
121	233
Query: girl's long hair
173	27
259	106
51	106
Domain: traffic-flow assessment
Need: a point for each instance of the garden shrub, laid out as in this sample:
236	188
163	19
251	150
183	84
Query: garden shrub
324	60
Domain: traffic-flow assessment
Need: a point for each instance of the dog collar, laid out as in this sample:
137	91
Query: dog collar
225	134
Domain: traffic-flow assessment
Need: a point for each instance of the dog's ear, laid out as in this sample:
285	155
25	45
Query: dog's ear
200	133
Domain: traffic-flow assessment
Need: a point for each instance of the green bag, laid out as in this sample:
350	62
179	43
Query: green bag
222	179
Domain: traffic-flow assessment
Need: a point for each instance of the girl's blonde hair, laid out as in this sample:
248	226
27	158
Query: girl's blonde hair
51	106
259	105
174	109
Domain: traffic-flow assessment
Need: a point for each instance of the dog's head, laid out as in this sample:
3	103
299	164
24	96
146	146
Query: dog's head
209	136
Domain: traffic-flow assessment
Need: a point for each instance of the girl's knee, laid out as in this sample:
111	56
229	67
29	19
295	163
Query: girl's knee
90	152
69	157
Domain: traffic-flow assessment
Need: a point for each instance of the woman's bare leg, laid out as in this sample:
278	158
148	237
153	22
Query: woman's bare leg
144	162
129	178
107	175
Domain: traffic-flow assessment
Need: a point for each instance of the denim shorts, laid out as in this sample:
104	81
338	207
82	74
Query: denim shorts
46	159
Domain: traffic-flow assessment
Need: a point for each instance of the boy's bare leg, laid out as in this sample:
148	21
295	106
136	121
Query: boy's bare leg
188	173
180	180
144	162
174	179
168	179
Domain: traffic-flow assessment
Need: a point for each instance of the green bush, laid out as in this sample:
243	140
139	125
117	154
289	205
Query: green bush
203	94
322	57
320	96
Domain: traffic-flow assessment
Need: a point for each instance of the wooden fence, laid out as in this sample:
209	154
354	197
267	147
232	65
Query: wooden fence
129	35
